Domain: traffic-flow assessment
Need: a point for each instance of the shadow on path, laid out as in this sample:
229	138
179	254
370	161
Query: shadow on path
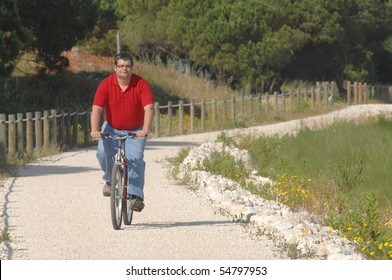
142	226
154	144
40	170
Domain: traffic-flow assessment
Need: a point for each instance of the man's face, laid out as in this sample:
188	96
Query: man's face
123	68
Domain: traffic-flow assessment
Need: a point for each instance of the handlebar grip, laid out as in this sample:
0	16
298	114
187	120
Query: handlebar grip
133	134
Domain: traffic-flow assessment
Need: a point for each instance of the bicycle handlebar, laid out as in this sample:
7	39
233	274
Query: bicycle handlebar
122	137
128	135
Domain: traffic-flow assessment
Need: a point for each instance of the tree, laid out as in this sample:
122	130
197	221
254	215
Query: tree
13	36
357	31
102	40
258	42
56	26
139	25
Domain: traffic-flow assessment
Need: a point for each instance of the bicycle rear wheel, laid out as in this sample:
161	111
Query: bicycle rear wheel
116	195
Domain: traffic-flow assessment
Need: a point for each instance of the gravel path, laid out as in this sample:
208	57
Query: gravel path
55	209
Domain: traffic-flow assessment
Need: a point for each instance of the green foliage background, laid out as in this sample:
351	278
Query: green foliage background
254	45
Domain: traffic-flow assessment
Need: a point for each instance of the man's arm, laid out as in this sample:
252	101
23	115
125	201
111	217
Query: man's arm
148	116
95	120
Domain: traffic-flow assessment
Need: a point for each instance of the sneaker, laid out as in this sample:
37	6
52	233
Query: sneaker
137	203
106	189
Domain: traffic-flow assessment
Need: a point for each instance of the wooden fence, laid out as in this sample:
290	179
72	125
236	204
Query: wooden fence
23	134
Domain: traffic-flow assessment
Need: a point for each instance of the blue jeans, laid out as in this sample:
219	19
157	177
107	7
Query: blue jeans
134	152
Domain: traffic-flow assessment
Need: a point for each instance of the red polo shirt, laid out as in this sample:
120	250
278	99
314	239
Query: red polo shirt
124	110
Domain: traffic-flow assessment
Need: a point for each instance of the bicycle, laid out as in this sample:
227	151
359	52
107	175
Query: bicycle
119	182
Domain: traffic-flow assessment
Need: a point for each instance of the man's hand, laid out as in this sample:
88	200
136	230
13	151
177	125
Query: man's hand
95	134
141	133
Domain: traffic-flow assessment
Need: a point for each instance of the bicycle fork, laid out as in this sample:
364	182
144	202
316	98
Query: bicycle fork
125	179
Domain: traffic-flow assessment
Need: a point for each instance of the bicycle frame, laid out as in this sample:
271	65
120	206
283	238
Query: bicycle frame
120	157
118	200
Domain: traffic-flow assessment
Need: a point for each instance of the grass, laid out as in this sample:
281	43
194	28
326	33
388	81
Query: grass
181	85
341	173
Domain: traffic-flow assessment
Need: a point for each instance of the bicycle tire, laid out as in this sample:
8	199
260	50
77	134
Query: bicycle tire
116	195
127	212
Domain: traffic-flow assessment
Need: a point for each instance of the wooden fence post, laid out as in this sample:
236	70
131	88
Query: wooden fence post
38	130
355	93
306	95
75	129
312	92
3	138
233	104
61	128
86	130
169	117
359	86
348	85
267	103
53	128
259	104
181	117
251	105
11	136
192	115
224	105
68	129
214	111
276	103
46	129
20	136
318	94
365	93
332	92
29	134
156	117
242	101
326	95
203	115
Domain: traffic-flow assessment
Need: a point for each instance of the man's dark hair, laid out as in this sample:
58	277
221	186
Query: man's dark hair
123	56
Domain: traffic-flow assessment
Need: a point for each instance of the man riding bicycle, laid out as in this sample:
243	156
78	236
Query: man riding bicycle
128	103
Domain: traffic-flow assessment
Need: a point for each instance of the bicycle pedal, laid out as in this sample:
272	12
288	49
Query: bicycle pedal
137	209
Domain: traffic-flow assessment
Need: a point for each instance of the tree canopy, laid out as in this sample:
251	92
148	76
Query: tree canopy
258	40
45	28
253	43
56	26
13	36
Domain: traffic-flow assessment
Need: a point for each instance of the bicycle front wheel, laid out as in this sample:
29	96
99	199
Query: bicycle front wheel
116	195
127	212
